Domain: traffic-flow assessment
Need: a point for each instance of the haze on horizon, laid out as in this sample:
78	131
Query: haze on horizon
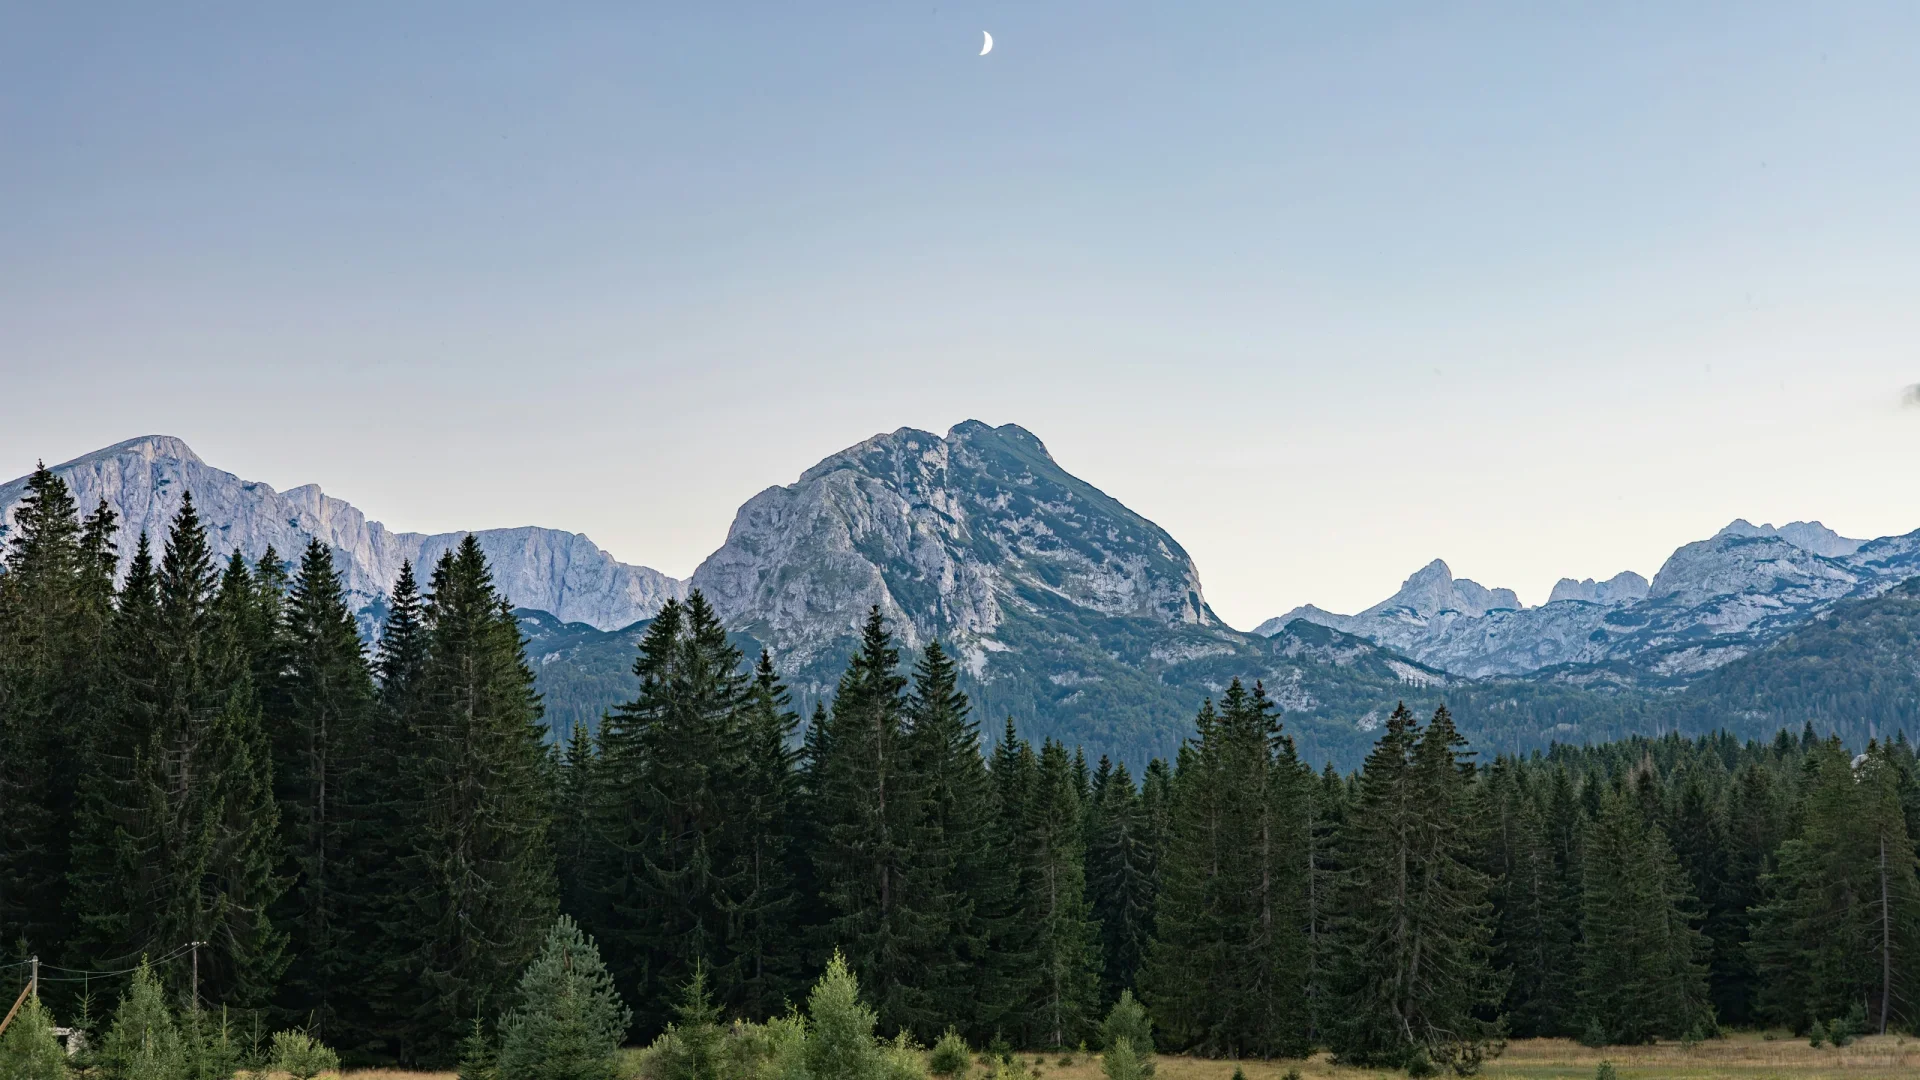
1326	294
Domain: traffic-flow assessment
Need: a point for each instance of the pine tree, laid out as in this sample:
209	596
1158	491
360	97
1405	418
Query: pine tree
1228	968
178	838
144	1042
567	1022
1842	922
577	780
325	699
1644	971
479	889
1415	979
957	860
764	909
882	907
385	812
30	1050
1756	827
1010	977
1053	893
54	607
1120	880
1531	940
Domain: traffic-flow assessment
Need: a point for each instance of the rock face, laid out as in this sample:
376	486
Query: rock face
953	538
1622	588
1713	601
547	569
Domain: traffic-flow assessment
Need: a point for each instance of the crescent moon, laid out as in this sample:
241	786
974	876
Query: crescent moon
986	46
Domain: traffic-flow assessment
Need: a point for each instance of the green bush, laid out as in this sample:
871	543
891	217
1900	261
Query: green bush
950	1059
1844	1030
1817	1034
1119	1062
902	1060
478	1059
302	1056
1605	1072
30	1050
568	1021
693	1047
1595	1036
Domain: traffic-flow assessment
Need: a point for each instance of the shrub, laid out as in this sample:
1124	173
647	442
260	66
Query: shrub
1128	1020
302	1056
1420	1064
692	1047
568	1021
950	1058
901	1059
1817	1034
1120	1062
30	1050
1842	1031
1595	1036
1605	1072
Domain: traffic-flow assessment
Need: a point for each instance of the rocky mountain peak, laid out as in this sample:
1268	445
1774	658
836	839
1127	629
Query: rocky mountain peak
1622	588
1805	535
952	536
1433	589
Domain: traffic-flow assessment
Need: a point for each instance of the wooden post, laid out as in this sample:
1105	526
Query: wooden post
17	1002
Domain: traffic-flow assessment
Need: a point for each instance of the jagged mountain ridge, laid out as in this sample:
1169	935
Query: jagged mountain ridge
1712	601
547	569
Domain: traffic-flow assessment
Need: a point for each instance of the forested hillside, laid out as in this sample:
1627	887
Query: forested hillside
374	846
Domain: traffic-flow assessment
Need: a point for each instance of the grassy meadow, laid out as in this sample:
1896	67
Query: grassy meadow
1743	1057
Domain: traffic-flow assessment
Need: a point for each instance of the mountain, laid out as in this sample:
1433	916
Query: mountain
1713	601
142	480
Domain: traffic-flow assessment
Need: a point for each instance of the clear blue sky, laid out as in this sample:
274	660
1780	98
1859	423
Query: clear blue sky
1327	290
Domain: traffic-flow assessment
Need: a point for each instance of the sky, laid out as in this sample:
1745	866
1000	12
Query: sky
1326	290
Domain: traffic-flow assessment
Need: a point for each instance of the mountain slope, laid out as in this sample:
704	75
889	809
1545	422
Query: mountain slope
143	479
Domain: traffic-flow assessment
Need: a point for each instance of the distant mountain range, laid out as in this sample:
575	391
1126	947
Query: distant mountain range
1714	601
546	569
1084	621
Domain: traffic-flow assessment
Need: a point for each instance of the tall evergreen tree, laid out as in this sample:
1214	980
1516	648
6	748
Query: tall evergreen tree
1531	941
1053	892
1228	967
480	889
577	779
957	860
763	915
1644	962
324	704
1415	976
883	908
55	590
1841	925
1120	880
178	838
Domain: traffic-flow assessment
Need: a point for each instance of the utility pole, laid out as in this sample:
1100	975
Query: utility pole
195	946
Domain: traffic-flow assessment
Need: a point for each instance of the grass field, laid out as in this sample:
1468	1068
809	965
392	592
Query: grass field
1744	1057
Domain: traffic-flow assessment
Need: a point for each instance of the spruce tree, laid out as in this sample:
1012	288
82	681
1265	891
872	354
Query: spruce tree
1010	978
1120	880
882	907
1841	925
764	912
1644	970
55	589
1064	939
325	699
1531	939
576	781
1229	963
178	836
957	859
478	889
385	811
567	1021
1415	979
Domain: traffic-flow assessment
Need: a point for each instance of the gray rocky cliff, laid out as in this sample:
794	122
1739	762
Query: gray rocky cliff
952	537
546	569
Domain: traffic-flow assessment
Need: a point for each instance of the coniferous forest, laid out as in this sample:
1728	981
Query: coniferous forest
382	846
